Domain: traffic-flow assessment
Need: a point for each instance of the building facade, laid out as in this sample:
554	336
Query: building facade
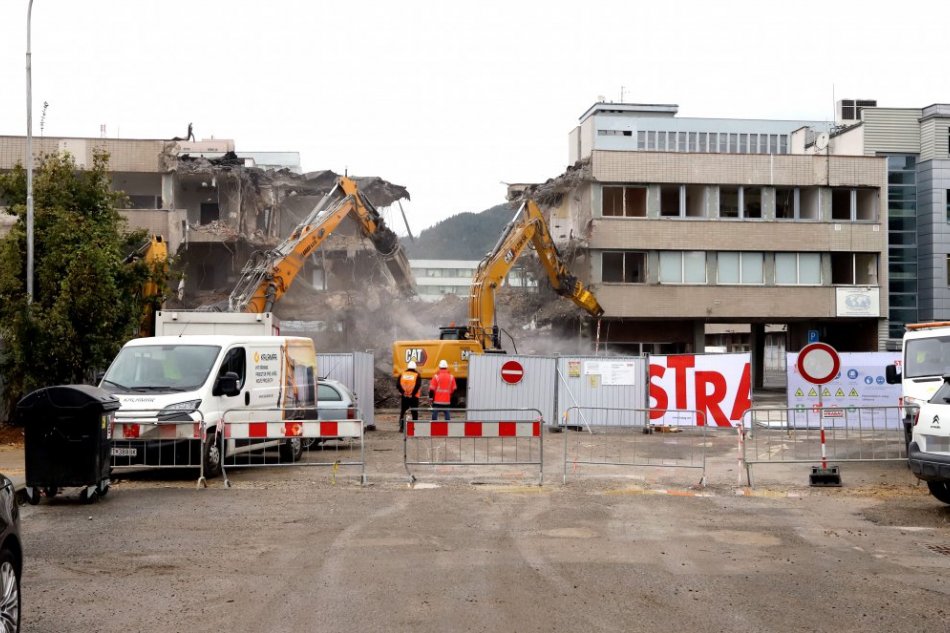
436	278
916	145
722	224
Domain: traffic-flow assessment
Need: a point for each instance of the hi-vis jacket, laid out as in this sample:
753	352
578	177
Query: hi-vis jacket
441	387
410	382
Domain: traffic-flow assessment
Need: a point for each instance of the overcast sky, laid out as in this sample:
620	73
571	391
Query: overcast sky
450	99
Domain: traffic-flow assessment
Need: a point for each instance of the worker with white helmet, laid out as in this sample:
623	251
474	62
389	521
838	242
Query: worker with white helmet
442	388
409	385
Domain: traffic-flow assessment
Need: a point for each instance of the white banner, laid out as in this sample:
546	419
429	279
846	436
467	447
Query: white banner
716	385
859	383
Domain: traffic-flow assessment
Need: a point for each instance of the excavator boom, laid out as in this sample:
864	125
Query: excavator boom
268	274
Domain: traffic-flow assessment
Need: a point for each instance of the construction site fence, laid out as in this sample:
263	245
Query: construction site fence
140	440
280	437
795	436
474	438
617	437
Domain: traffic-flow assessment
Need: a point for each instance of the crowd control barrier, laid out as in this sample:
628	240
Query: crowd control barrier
605	436
140	440
475	437
284	437
818	434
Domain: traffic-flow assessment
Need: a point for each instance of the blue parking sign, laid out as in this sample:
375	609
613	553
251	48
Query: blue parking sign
812	336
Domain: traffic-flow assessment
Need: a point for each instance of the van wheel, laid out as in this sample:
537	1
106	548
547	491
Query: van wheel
291	450
211	456
940	490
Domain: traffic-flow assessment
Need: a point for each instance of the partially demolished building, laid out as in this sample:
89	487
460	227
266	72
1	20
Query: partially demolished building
216	207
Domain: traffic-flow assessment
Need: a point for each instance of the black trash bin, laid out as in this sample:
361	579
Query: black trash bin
67	436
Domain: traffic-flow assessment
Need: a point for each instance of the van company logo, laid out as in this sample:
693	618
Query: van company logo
935	423
258	357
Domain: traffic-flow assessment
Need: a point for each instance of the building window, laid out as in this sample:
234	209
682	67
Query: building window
670	201
947	203
692	142
209	212
695	201
728	202
752	202
783	144
641	140
854	269
629	202
740	268
785	203
624	267
714	142
798	269
948	270
651	140
682	267
743	143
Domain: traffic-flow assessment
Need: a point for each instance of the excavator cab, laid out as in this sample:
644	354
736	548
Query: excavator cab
453	333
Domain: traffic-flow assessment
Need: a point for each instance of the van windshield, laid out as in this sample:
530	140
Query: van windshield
160	368
927	357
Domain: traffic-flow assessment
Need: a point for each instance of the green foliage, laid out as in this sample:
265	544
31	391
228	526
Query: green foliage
86	302
462	236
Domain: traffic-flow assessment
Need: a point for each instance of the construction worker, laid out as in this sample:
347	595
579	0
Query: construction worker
441	389
409	385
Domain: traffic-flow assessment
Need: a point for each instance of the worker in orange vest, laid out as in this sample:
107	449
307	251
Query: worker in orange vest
409	385
441	389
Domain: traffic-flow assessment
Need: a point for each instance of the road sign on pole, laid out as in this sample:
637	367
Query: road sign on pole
819	364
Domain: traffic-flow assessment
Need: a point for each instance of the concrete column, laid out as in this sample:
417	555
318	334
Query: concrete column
168	191
699	337
757	344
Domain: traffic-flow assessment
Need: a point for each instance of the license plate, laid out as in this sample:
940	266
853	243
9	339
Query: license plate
125	452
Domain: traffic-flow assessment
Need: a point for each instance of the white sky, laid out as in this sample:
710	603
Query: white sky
449	98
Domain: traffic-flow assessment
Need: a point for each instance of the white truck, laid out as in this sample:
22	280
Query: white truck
169	385
194	322
924	362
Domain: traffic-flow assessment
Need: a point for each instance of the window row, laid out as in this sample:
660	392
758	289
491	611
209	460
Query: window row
739	268
710	142
841	204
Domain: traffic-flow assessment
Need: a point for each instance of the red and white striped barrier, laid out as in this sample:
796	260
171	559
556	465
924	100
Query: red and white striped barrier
293	428
470	428
145	430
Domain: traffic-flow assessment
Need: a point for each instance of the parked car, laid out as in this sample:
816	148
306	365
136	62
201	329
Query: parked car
11	557
335	401
928	454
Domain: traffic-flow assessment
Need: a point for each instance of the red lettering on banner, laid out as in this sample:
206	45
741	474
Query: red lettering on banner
742	403
679	365
708	403
657	410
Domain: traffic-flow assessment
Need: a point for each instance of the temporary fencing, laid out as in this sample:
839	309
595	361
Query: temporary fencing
819	434
476	437
289	437
141	440
605	436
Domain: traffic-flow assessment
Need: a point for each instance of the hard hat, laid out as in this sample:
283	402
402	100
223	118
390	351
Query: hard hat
411	365
443	364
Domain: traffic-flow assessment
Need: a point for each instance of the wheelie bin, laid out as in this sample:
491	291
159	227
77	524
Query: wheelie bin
67	437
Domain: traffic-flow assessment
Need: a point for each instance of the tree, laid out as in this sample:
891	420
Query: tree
87	302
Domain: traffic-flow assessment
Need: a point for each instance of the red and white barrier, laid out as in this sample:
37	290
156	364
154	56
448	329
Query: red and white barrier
470	428
291	428
150	430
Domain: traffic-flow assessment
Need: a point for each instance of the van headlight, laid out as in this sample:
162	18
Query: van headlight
179	411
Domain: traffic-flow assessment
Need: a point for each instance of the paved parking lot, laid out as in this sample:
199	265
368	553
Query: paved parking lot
300	549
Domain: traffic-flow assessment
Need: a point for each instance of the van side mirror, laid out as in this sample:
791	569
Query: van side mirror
226	385
892	375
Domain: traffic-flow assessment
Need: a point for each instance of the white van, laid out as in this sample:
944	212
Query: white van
186	379
925	360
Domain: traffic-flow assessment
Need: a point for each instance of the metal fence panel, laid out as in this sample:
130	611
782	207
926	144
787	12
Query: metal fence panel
795	435
582	383
356	371
624	437
476	437
140	440
492	396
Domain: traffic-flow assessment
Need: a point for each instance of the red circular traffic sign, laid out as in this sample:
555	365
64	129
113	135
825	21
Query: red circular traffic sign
512	372
818	363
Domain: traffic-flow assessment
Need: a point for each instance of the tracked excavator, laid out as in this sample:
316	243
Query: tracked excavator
482	335
268	274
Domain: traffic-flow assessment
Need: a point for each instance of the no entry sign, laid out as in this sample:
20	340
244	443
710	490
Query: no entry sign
818	363
512	372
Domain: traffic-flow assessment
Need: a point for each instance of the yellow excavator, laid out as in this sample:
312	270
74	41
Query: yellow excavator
154	252
268	274
482	335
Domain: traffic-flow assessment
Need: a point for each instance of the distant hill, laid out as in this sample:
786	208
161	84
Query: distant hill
462	236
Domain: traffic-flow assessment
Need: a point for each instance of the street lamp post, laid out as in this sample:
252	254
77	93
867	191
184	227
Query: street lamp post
29	162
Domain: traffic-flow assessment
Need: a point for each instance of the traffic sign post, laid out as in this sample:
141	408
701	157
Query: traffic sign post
819	363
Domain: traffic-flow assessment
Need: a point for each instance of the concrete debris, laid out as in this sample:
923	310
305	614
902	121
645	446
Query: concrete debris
550	192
